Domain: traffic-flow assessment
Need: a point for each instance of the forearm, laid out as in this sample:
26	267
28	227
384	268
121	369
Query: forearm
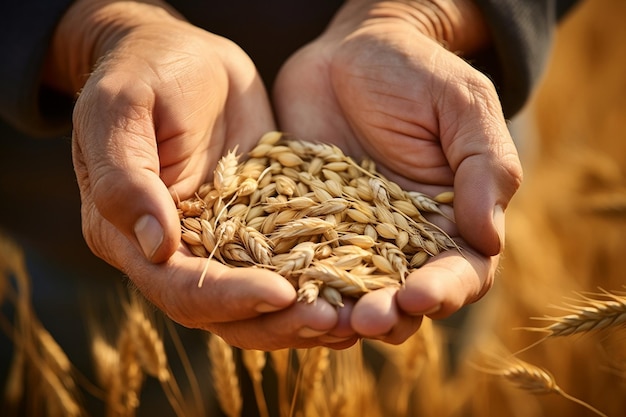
458	25
91	28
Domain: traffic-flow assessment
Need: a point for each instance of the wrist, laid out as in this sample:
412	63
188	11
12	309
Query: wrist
88	31
458	25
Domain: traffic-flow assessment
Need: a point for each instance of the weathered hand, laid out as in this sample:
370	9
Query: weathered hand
384	88
165	102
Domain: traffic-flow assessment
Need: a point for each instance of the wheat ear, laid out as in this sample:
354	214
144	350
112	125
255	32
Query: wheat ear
591	312
254	361
531	378
224	373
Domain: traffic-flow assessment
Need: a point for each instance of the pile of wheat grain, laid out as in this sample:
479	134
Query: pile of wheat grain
332	227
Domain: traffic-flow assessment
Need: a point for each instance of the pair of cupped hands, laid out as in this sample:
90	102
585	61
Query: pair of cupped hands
168	99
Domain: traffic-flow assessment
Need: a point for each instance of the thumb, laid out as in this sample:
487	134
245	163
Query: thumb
118	169
487	172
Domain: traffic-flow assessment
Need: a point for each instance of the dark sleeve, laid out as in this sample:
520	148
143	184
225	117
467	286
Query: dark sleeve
521	34
26	28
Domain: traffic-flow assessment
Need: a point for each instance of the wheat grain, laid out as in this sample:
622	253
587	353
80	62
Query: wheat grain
290	193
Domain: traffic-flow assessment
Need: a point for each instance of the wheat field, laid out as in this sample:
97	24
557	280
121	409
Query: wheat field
549	339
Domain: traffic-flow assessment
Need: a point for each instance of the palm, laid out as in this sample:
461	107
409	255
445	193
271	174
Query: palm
377	104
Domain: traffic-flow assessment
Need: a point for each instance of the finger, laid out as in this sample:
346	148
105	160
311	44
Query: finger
481	152
115	143
446	283
376	315
227	294
298	326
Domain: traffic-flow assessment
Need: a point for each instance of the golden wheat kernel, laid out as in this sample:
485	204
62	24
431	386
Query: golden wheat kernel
315	166
370	231
247	187
400	221
291	173
266	181
207	214
402	239
303	189
350	192
334	188
431	247
332	295
238	210
211	197
358	216
364	192
382	264
191	237
254	212
395	191
271	138
191	208
256	223
261	150
383	214
285	185
204	189
298	147
278	149
289	159
332	176
192	224
406	207
446	197
361	241
321	194
285	245
308	291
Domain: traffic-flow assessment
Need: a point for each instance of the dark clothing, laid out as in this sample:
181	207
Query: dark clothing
269	31
521	34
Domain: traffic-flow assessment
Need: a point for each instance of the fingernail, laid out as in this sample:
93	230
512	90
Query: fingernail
334	339
266	308
308	333
433	310
498	222
149	233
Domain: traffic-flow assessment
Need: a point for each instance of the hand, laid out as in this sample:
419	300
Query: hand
165	102
376	83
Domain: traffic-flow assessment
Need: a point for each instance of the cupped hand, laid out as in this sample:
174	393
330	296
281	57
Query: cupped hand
383	88
165	102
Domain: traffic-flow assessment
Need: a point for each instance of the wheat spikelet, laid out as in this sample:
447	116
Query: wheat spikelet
149	344
123	395
224	373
